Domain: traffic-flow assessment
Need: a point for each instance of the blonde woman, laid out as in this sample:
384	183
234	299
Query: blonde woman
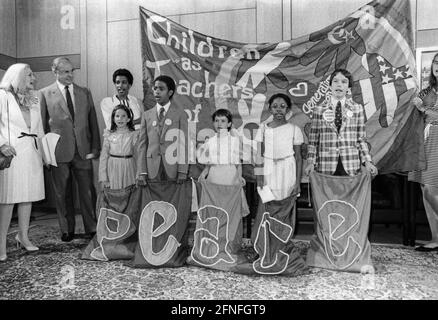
20	128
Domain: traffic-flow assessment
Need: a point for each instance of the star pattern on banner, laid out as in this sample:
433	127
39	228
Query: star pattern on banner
390	73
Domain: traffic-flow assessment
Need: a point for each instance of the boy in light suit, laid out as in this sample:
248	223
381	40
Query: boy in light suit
157	160
337	138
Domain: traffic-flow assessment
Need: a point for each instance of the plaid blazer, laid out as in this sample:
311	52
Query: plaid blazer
326	144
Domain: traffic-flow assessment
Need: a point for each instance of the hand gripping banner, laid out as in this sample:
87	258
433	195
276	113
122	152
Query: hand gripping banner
342	212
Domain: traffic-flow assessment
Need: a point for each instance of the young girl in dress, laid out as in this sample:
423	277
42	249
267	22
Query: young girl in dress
221	153
280	143
281	149
117	165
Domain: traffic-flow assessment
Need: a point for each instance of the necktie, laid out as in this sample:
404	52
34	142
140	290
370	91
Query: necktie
161	115
338	116
124	102
69	103
161	119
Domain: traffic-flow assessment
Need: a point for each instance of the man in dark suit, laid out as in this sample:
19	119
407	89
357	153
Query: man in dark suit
68	110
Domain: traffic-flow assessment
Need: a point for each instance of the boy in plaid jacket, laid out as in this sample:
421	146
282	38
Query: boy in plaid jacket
337	138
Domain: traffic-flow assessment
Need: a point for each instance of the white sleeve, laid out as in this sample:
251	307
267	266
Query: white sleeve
203	153
259	134
298	136
3	117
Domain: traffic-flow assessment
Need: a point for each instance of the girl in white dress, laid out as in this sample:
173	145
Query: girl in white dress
281	150
117	164
280	143
222	152
222	156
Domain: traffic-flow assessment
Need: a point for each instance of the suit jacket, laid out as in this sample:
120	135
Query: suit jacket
326	144
84	131
169	146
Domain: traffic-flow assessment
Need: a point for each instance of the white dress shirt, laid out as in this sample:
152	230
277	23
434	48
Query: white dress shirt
166	108
70	89
335	102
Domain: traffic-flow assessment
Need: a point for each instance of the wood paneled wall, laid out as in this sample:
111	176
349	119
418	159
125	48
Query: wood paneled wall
48	28
8	36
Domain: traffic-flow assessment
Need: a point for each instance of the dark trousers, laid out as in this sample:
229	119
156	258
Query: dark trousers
340	171
62	183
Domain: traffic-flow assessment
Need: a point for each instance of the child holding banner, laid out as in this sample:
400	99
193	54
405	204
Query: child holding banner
222	152
278	183
337	139
281	146
117	166
223	173
341	194
159	126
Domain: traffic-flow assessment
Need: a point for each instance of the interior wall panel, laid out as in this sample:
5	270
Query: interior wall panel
287	19
128	9
236	25
124	51
312	15
97	55
427	13
8	36
47	28
269	21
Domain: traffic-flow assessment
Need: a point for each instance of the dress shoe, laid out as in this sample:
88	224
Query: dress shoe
3	258
20	244
426	249
67	237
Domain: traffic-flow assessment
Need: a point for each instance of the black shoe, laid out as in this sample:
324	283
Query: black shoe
67	237
426	249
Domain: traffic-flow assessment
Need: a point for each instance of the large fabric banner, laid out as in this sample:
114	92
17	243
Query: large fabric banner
147	225
163	225
116	236
217	239
150	227
272	238
375	43
218	235
342	213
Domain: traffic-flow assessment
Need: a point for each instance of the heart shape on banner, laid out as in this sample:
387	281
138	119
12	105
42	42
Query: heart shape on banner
300	90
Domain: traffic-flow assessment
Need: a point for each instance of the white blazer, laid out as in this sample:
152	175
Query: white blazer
17	125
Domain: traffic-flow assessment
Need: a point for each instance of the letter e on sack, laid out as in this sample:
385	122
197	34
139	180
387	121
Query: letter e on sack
147	234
